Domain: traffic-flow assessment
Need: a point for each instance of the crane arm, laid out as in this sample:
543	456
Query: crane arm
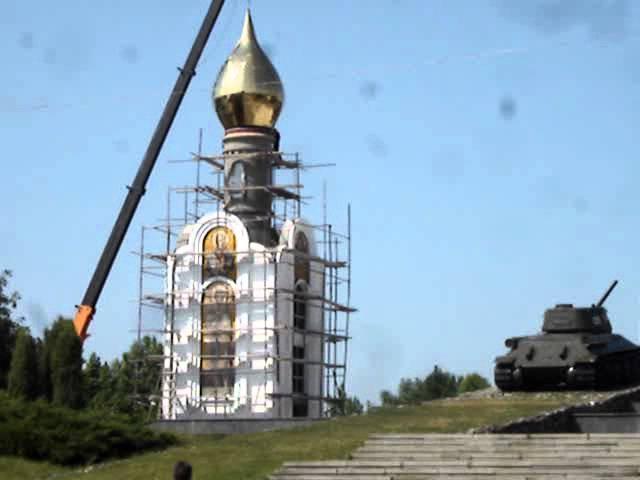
86	310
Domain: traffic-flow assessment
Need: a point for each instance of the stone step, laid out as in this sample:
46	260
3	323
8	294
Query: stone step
478	449
591	445
493	456
592	440
453	470
498	446
505	435
528	476
501	463
464	457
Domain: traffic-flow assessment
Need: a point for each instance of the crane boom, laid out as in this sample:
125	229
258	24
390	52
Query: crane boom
86	310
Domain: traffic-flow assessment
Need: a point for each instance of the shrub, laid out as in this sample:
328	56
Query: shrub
473	381
41	431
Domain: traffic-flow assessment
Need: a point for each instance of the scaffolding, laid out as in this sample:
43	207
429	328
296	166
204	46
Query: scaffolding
157	306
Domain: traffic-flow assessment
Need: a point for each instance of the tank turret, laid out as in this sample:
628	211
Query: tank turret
576	349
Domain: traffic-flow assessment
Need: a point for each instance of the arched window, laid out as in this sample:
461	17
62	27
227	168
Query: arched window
219	253
217	374
300	402
301	245
237	181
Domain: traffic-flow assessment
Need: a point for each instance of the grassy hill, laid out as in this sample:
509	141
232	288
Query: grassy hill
253	456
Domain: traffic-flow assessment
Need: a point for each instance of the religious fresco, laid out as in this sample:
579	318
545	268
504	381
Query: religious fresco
219	253
217	375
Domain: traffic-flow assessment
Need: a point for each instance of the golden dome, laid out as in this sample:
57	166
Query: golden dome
248	90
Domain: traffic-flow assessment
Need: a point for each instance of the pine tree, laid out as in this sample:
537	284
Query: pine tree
44	372
23	375
91	373
8	326
65	357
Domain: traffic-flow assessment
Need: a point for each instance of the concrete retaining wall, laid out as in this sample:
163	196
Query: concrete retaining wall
568	419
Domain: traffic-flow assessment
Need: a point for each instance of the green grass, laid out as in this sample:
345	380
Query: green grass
253	456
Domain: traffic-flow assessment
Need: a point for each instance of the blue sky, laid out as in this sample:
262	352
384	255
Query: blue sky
487	149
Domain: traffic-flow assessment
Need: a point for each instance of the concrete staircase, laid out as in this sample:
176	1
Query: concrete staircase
480	456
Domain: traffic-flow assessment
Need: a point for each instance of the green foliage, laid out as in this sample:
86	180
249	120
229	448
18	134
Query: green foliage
8	326
438	384
388	399
92	380
257	455
126	384
441	384
41	431
473	381
353	406
64	350
346	405
42	370
23	379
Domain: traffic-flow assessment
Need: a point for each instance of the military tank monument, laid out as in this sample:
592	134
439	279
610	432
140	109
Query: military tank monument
575	350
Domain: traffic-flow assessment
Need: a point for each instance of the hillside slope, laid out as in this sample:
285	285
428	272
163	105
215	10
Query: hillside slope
254	456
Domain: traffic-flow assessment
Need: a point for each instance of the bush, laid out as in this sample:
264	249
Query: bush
473	381
41	431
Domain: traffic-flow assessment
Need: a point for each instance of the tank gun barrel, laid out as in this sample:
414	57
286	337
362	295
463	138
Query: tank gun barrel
607	293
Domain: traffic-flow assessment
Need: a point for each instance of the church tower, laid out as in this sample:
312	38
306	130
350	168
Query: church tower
246	305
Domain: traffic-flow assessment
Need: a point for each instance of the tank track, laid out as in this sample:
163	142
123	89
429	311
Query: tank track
503	378
617	370
609	371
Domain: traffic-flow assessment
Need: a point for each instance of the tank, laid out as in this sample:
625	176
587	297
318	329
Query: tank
575	350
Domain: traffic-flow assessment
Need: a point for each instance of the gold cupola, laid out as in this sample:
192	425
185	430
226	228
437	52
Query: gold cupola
248	91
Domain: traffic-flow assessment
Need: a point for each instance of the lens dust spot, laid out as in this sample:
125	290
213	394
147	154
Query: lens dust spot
376	145
129	54
507	107
26	40
580	205
369	90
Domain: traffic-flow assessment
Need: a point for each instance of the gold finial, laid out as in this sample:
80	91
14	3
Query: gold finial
248	90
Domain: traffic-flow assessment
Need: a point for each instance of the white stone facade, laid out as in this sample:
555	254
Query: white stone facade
250	373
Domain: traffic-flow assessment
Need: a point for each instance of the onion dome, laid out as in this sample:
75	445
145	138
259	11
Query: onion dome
248	91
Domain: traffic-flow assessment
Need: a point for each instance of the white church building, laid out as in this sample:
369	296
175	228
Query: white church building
250	326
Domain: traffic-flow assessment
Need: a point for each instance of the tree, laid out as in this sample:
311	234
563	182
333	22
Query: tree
128	384
353	406
473	381
43	366
65	357
23	375
92	378
346	405
147	369
388	399
8	326
438	384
